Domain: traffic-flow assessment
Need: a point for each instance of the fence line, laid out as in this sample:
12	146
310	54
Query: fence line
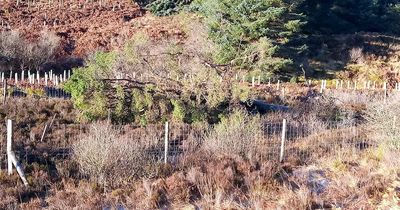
47	84
50	79
302	141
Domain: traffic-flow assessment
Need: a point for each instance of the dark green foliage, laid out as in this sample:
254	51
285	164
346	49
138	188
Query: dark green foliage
166	7
110	85
86	88
248	33
348	16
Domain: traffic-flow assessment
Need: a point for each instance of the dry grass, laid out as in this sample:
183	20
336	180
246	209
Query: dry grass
237	135
384	118
109	159
22	54
222	170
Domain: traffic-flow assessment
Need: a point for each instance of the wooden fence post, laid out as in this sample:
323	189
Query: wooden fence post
385	91
283	141
166	143
9	146
16	79
18	167
45	79
5	91
44	133
277	86
322	86
38	77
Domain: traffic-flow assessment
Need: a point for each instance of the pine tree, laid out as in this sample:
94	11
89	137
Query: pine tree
249	32
347	16
166	7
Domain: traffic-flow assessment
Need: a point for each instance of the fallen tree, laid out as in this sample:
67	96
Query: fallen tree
149	80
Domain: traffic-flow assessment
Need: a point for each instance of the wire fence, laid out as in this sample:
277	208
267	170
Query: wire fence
49	85
305	142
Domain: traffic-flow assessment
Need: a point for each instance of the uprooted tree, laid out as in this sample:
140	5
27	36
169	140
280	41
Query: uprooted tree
192	79
150	80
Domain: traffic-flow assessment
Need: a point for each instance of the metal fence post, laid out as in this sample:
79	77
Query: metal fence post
283	140
166	143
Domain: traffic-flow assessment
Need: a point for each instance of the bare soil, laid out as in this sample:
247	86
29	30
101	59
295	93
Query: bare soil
84	27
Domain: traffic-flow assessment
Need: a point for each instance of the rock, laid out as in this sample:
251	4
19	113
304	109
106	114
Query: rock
315	179
263	107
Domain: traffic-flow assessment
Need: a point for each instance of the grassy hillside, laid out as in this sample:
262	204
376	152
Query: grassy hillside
204	104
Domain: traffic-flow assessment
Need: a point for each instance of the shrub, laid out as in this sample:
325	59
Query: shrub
109	159
239	134
19	53
384	117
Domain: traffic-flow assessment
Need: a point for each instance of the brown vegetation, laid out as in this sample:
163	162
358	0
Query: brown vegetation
88	26
208	175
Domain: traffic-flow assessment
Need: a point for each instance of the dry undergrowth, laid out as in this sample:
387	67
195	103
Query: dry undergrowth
219	173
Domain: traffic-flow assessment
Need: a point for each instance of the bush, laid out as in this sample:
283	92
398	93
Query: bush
384	117
239	134
18	53
109	159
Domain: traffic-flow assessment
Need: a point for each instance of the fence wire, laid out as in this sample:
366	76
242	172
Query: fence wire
304	141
